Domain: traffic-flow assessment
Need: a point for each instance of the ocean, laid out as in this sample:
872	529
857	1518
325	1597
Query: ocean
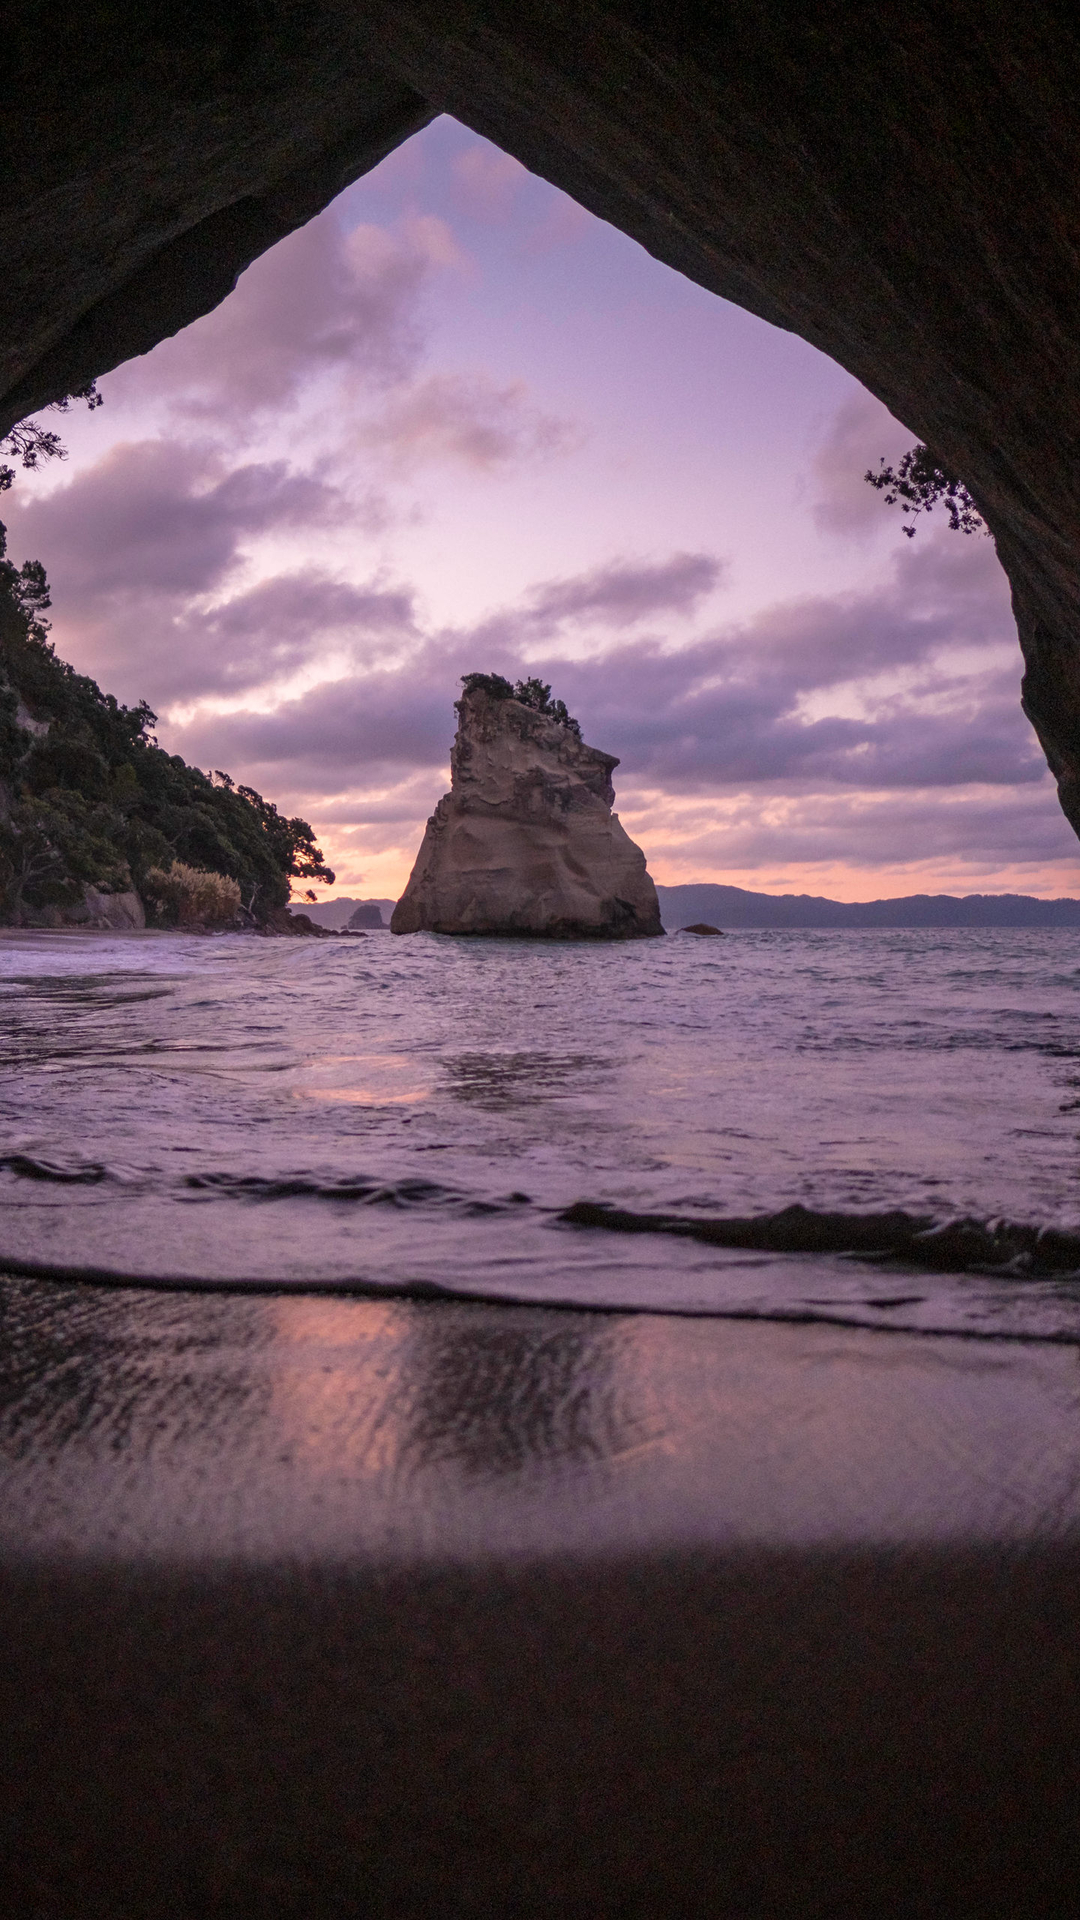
595	1125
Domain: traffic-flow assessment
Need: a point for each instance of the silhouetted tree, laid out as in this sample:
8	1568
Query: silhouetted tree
31	444
920	483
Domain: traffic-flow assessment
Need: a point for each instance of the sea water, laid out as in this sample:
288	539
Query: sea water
418	1114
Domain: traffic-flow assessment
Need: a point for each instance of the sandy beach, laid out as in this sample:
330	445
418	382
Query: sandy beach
320	1606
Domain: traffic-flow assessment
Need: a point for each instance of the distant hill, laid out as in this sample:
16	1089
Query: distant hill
735	907
337	913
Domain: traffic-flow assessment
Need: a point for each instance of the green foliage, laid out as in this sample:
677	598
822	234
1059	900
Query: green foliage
529	693
920	483
54	844
95	800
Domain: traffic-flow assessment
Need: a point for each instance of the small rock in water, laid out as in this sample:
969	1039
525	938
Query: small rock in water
367	914
282	920
700	927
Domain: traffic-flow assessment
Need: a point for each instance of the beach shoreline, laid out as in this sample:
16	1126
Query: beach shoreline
315	1606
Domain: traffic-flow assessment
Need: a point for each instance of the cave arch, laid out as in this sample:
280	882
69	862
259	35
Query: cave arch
897	186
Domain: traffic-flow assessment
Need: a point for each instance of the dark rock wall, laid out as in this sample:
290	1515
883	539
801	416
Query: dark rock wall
897	185
150	152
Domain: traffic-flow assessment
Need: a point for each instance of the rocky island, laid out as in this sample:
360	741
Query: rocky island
525	843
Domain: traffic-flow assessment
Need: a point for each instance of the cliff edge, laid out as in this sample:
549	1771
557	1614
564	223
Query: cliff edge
525	842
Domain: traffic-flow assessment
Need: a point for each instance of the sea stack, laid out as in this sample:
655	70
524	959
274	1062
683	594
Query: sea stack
525	843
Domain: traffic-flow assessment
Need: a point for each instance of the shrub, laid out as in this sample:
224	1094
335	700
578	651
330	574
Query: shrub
190	896
529	693
493	684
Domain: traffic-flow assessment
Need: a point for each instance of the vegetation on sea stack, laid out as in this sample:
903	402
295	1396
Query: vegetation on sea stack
529	693
88	798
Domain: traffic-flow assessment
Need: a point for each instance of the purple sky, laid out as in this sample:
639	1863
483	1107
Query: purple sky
456	423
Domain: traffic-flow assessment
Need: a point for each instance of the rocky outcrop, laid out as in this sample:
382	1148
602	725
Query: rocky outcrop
116	912
364	917
281	920
525	842
96	912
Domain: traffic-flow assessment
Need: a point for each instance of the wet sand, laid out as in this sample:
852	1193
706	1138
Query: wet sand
329	1606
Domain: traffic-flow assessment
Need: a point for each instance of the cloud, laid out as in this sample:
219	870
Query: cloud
363	729
329	303
908	686
467	418
360	731
341	313
980	830
379	807
619	594
487	181
164	516
622	593
142	550
696	730
321	301
912	683
248	644
947	590
863	432
278	627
